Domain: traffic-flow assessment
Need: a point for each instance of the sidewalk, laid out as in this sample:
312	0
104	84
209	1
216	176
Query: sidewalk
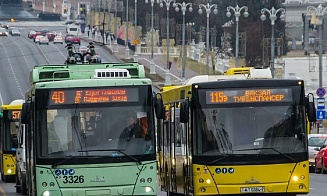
159	61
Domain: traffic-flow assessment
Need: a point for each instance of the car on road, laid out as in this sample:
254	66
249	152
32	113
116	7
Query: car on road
44	40
315	141
58	39
321	158
73	39
31	34
15	32
3	32
37	38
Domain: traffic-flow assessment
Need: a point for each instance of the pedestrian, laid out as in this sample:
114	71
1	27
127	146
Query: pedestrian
107	35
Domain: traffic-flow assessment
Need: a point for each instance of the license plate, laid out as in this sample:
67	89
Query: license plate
258	189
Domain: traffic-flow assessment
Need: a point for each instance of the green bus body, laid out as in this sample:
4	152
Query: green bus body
75	115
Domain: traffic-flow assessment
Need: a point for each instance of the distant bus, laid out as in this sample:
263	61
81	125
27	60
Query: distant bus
233	137
73	29
238	70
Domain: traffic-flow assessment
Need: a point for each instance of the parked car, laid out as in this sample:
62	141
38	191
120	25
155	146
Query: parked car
15	32
73	39
58	39
314	141
321	158
44	40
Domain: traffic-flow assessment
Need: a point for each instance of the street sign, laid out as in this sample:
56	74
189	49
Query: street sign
321	114
320	103
321	92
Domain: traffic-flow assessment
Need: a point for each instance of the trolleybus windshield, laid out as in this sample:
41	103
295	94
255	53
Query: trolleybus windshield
105	126
235	123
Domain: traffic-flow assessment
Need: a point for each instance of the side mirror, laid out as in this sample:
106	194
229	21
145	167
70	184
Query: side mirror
184	112
26	115
311	108
316	149
159	107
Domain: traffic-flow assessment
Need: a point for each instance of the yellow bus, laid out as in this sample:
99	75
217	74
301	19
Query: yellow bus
8	136
238	70
234	137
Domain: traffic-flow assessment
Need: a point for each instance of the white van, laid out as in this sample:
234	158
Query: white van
73	29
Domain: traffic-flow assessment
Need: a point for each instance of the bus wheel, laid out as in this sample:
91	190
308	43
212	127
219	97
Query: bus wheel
23	185
18	190
3	178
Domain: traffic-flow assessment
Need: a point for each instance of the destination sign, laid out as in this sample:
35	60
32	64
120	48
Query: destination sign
248	96
14	115
92	95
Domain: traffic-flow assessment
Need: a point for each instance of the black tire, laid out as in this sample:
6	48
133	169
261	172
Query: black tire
23	186
323	171
18	185
317	171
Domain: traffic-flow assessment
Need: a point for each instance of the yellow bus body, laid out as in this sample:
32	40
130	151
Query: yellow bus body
8	160
274	178
238	70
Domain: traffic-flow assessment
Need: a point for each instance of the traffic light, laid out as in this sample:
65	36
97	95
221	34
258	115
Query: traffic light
82	10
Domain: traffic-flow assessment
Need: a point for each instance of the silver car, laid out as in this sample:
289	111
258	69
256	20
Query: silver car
315	141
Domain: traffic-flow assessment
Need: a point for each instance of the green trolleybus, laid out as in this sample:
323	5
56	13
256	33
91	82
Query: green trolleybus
90	131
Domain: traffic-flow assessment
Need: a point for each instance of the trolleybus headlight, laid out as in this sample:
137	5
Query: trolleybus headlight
295	178
302	177
208	181
149	180
201	180
142	180
44	184
46	193
301	186
52	184
9	171
203	189
148	189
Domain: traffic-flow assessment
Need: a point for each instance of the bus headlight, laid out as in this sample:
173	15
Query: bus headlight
44	184
142	180
9	171
149	180
295	178
148	189
201	180
46	193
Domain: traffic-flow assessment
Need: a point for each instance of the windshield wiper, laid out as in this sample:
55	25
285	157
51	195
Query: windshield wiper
267	148
118	150
63	161
219	159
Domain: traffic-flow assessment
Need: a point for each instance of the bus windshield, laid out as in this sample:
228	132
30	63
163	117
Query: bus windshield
10	129
95	130
250	130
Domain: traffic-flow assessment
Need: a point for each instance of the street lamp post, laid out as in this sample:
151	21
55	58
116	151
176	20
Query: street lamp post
207	8
273	16
109	22
126	41
183	6
320	13
135	32
152	67
115	33
167	3
237	12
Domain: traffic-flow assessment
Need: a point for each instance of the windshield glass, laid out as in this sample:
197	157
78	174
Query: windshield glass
241	130
10	127
95	131
316	141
